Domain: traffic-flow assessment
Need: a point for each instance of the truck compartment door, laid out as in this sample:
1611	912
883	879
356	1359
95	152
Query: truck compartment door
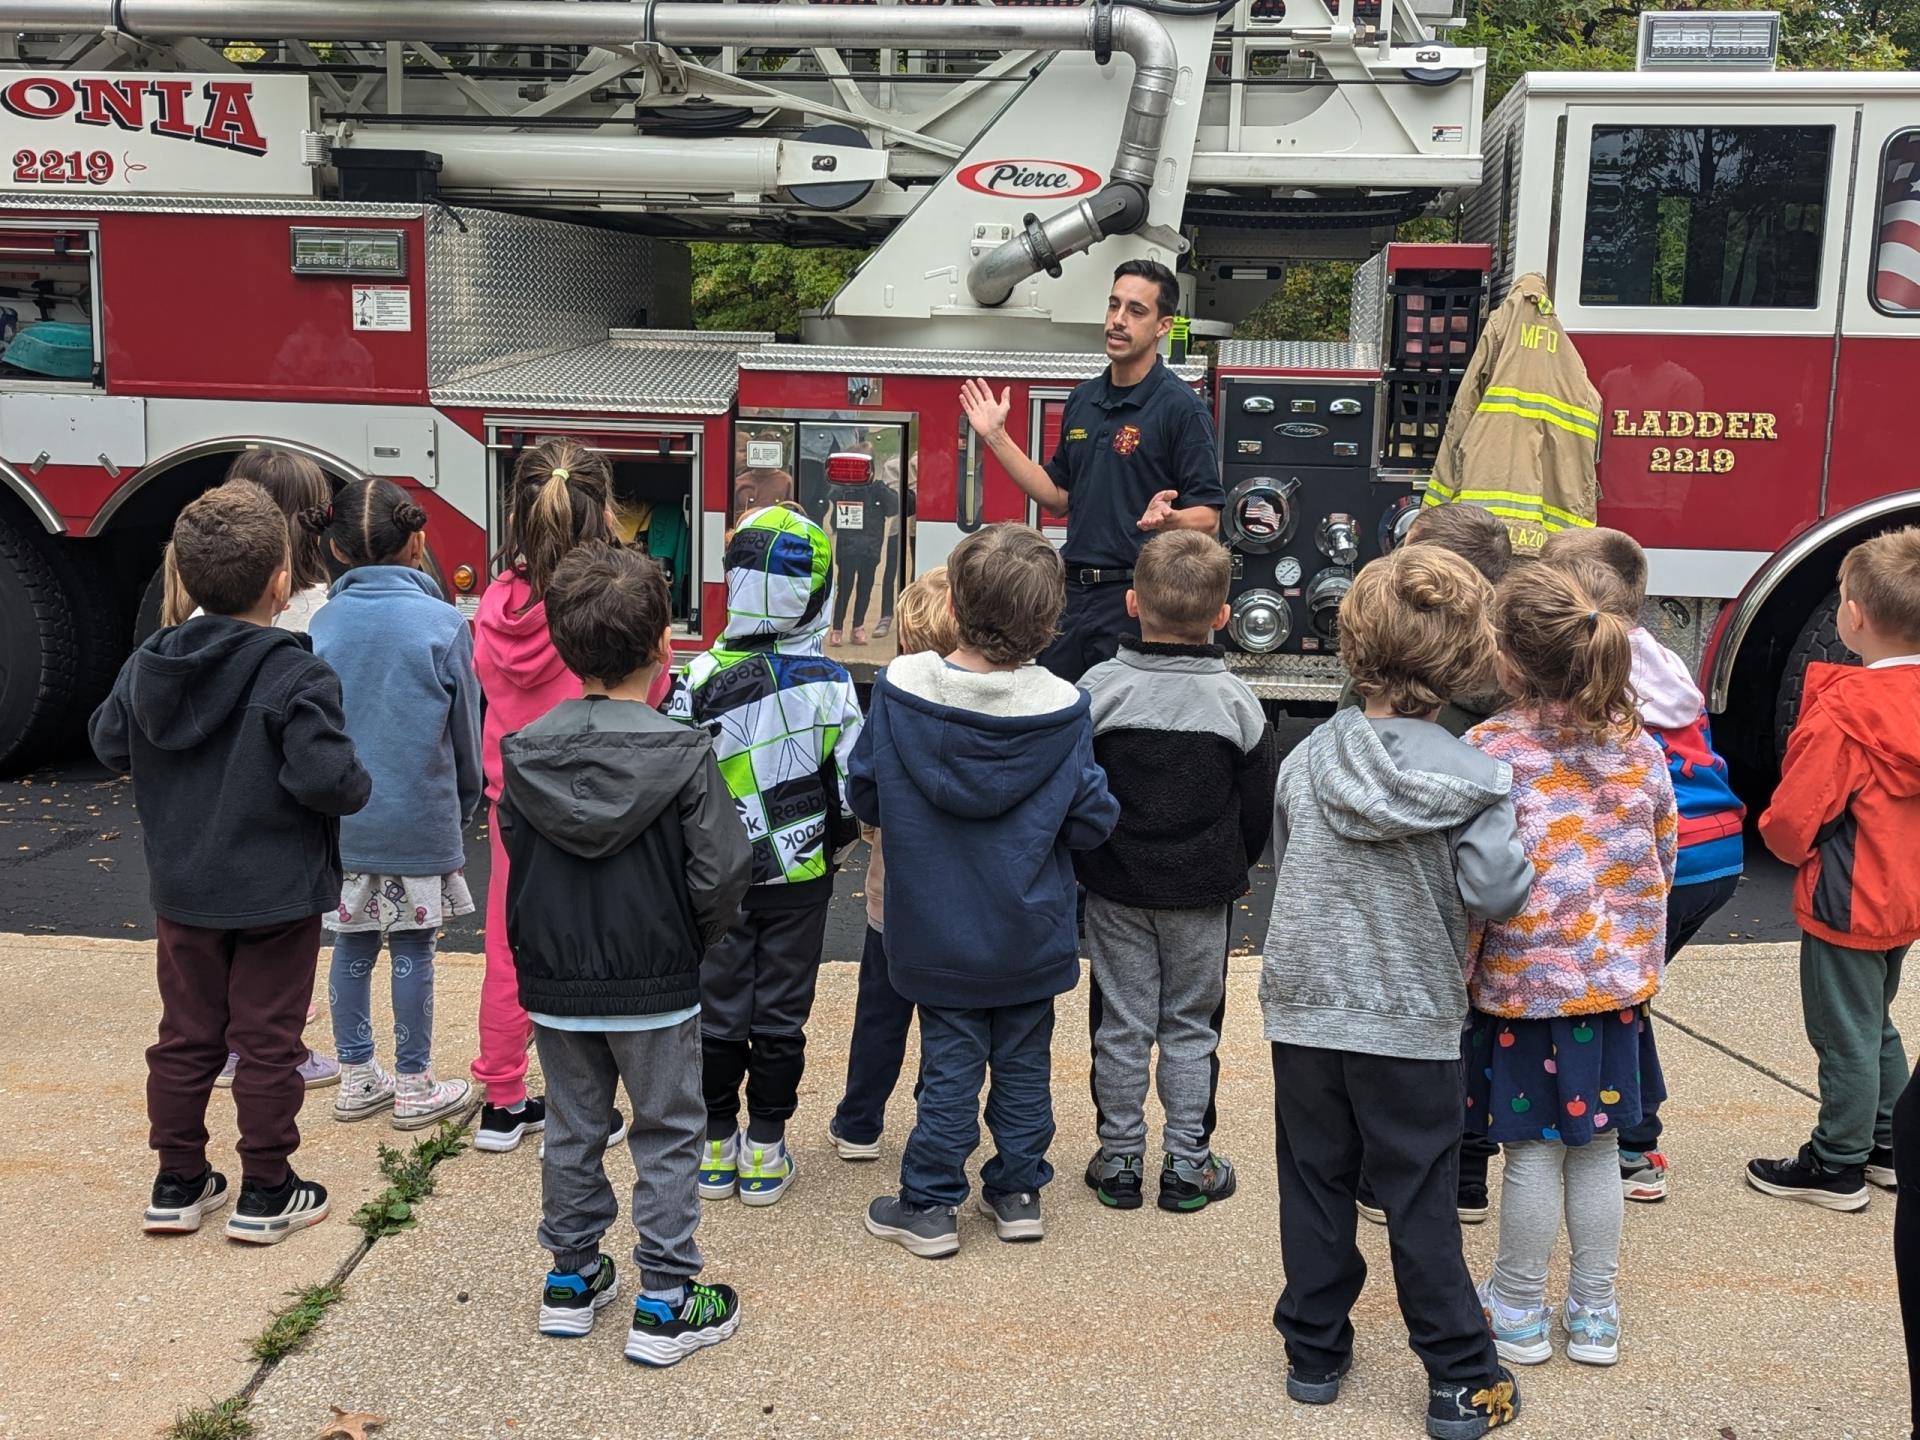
47	428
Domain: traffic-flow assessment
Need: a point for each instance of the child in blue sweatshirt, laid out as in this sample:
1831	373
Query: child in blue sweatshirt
978	767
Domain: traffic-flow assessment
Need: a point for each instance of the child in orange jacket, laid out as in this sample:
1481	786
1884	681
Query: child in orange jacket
1847	813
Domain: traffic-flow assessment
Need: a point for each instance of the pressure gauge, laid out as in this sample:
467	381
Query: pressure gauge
1287	571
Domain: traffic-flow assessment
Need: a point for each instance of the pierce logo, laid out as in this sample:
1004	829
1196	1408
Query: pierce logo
1029	179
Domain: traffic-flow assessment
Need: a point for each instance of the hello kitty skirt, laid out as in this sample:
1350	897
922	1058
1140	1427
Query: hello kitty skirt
1568	1078
398	902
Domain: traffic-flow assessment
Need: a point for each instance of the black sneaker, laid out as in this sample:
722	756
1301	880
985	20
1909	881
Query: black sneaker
1311	1388
1186	1186
1366	1204
1464	1412
570	1301
1115	1179
1879	1168
662	1336
1015	1217
1807	1178
1472	1202
266	1217
930	1231
179	1204
502	1129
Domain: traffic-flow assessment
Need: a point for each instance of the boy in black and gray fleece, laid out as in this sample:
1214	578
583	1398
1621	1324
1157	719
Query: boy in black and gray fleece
1190	756
1389	835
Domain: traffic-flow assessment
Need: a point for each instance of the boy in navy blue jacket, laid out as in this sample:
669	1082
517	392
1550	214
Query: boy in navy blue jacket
981	763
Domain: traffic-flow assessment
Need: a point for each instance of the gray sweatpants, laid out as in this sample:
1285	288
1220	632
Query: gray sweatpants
1543	1179
661	1070
1160	979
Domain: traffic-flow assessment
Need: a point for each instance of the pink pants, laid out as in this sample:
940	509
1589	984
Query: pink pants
504	1026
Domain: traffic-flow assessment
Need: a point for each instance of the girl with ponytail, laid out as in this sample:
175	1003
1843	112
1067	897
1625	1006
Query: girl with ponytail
1560	1056
405	661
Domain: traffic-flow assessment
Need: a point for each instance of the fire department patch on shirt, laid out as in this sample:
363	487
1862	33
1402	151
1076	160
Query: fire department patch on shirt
1126	440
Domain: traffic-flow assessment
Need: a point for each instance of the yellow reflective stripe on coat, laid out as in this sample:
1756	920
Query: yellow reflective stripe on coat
1572	412
1531	412
1510	506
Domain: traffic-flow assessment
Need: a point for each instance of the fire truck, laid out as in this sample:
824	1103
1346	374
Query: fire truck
411	239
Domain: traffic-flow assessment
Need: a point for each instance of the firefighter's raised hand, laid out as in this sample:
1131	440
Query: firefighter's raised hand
1159	511
987	415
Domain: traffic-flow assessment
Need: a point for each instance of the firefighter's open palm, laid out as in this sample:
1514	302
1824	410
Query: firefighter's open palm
987	415
1159	511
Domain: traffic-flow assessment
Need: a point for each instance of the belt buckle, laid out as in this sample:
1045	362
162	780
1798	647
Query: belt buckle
1089	575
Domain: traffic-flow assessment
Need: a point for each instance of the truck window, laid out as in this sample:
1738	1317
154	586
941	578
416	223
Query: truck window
1705	215
1896	272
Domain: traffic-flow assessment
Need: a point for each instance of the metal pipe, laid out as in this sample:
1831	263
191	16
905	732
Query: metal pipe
1120	207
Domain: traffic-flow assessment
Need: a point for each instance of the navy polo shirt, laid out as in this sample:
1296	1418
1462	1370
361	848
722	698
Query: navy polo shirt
1119	447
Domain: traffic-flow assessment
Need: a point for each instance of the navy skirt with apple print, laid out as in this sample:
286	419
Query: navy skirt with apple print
1569	1078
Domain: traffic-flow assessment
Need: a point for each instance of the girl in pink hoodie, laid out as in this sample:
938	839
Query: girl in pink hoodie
561	495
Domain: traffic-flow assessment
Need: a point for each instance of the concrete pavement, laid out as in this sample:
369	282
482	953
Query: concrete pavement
1745	1317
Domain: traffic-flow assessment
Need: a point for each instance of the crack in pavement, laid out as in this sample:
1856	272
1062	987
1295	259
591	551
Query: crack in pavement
1727	1050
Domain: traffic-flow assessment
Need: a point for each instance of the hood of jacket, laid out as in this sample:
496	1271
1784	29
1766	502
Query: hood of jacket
186	681
1663	686
517	642
981	744
1367	794
1874	709
366	581
590	775
779	576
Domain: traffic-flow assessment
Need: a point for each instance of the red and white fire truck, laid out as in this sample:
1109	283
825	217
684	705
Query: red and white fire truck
410	239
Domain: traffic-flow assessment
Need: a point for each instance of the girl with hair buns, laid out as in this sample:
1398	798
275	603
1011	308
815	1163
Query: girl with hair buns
1559	1053
405	661
560	497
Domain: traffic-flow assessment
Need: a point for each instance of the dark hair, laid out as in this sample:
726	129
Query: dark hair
557	499
296	485
1476	535
1009	587
1160	275
1181	580
606	611
227	547
369	522
1616	550
1562	629
1882	577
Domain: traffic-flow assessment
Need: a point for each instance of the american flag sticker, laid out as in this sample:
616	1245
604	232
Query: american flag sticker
1896	278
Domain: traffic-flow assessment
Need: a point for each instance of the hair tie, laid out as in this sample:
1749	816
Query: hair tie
1593	621
559	472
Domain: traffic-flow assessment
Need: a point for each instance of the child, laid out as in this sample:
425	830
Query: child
1560	1056
561	496
880	1016
405	660
784	720
1847	814
241	767
1711	857
1389	835
1189	756
628	861
296	485
978	767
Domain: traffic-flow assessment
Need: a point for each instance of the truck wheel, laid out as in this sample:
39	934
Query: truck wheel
99	629
39	651
1819	640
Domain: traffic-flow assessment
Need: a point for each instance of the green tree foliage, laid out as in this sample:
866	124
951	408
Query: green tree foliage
764	287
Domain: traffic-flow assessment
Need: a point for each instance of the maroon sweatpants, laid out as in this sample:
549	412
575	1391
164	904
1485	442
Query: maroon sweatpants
244	991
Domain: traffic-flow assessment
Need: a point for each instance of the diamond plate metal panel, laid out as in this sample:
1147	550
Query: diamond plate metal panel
1297	355
1367	316
1001	364
1290	677
505	289
674	372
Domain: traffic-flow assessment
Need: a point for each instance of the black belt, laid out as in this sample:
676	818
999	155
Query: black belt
1087	576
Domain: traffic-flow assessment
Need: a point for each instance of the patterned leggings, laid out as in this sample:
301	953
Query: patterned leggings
350	993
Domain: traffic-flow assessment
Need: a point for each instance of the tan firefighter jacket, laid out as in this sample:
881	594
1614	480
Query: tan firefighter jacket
1521	437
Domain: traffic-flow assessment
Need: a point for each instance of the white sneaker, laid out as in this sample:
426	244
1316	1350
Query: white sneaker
420	1100
1520	1337
1593	1333
365	1090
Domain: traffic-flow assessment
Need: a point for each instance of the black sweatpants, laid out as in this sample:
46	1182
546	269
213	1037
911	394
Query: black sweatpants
1332	1110
756	992
1090	629
1906	1234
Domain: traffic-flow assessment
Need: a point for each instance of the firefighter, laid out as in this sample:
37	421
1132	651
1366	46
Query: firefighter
1136	455
1522	435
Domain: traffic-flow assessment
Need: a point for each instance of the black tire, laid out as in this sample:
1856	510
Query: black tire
99	630
39	651
146	619
1818	641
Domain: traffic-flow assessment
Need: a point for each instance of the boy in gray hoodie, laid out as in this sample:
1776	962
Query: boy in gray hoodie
1389	835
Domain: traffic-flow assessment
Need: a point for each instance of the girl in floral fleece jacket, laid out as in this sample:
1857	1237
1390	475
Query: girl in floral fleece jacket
1559	1053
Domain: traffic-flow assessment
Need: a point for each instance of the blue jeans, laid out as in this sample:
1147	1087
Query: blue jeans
350	994
957	1047
879	1047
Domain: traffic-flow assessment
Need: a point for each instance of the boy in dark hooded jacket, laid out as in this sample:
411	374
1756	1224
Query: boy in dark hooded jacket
627	861
981	764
